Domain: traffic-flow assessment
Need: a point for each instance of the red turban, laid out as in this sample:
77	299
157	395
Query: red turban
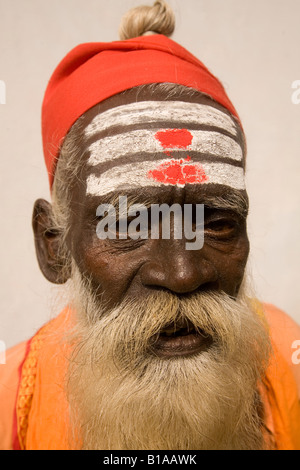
93	72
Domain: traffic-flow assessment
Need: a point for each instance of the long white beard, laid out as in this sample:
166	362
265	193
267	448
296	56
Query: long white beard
123	397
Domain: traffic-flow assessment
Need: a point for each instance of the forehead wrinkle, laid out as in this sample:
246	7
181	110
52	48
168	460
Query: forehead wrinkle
137	176
158	114
232	200
130	155
113	198
144	140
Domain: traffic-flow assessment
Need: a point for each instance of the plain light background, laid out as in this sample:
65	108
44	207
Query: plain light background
253	46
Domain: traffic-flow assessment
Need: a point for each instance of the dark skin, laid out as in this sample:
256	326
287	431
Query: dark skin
133	268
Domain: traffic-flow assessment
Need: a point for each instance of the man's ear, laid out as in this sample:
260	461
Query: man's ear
47	244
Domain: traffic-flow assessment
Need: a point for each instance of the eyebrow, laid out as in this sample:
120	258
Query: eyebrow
234	201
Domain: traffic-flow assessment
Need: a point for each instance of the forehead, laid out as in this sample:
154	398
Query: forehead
152	142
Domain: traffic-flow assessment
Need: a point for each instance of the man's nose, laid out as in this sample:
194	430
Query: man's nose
179	270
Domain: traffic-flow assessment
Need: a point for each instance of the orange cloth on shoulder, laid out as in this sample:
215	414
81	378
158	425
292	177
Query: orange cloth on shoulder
42	409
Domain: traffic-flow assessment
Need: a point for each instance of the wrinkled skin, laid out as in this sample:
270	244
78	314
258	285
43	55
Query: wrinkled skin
133	268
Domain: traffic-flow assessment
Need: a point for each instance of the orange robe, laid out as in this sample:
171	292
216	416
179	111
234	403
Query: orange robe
34	409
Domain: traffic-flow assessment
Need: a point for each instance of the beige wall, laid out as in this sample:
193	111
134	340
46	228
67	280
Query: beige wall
253	46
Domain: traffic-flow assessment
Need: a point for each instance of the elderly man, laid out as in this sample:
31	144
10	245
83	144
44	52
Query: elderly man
160	346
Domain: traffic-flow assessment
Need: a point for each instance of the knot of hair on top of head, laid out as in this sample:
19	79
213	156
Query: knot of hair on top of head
97	71
146	20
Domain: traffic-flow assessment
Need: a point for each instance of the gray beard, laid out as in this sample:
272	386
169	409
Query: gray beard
122	397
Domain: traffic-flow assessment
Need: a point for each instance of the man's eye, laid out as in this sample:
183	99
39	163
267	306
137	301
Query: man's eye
133	227
221	228
122	225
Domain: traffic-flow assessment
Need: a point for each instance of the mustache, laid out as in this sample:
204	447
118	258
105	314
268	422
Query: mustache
129	330
206	400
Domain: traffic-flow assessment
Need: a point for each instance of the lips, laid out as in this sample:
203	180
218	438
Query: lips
180	339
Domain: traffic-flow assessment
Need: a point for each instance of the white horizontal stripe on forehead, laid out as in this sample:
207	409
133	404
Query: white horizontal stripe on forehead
161	111
140	141
135	176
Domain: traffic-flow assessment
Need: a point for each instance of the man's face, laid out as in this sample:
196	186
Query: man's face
134	269
158	324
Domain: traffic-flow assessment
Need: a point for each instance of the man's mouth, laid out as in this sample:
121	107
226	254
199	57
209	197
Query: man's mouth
180	339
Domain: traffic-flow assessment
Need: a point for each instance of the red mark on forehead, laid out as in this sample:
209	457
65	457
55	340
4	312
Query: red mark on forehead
179	172
174	138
